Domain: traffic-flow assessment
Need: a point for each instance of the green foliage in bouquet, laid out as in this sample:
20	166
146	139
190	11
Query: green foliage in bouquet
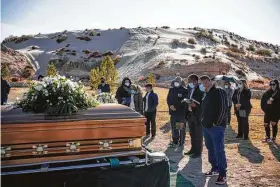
56	96
105	98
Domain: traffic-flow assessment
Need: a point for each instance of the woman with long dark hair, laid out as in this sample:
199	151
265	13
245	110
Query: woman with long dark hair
270	104
242	107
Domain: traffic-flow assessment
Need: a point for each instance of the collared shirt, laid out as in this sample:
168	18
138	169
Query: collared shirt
147	104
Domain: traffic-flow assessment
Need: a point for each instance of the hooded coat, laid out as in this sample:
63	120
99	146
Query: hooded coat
123	93
138	99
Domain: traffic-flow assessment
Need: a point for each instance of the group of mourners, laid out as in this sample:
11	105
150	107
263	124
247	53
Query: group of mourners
206	108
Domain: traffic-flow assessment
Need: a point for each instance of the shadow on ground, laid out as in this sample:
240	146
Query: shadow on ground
275	149
245	147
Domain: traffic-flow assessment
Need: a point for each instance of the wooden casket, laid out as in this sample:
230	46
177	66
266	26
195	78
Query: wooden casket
107	130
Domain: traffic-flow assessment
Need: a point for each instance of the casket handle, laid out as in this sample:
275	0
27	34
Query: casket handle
40	149
105	145
73	147
5	151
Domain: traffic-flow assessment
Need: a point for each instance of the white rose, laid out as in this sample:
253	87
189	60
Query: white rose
50	104
48	101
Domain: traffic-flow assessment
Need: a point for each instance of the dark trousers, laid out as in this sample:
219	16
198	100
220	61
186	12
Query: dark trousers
274	130
214	142
243	125
229	115
151	123
178	135
195	133
4	99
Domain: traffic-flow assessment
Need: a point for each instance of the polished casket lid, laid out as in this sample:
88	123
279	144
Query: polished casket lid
101	112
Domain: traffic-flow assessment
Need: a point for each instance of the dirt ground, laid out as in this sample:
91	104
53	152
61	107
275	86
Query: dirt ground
251	163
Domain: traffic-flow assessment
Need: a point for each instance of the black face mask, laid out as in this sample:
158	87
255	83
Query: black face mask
102	81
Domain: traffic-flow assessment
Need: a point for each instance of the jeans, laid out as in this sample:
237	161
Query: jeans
195	133
178	135
151	123
214	142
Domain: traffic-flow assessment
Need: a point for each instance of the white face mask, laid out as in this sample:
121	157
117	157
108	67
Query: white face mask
240	86
226	86
127	84
273	88
176	84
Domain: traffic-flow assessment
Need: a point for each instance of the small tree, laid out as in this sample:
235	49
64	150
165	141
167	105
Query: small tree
5	73
51	70
94	78
108	70
151	78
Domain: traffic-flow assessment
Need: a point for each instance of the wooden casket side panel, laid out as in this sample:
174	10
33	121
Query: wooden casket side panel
38	140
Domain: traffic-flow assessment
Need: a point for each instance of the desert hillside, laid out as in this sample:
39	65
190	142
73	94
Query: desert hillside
137	51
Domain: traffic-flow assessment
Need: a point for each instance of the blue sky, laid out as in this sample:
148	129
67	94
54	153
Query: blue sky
254	19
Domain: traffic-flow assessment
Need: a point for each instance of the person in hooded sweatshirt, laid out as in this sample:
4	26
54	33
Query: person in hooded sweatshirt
136	99
173	81
5	90
103	87
270	104
123	94
177	111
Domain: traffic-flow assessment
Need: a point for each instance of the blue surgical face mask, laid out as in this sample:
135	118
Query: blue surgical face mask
202	88
191	85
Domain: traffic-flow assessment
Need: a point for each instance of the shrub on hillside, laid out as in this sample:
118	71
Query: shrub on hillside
108	53
240	72
205	34
236	50
15	79
264	52
61	38
86	38
28	72
197	57
203	50
165	27
232	54
191	41
86	51
175	42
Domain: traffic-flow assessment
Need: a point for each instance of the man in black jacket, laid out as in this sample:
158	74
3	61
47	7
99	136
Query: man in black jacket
150	110
194	112
103	87
5	90
177	111
214	119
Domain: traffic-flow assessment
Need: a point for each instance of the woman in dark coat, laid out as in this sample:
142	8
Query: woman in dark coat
270	104
123	94
242	107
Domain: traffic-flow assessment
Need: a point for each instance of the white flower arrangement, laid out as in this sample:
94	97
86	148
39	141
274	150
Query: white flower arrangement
55	95
105	98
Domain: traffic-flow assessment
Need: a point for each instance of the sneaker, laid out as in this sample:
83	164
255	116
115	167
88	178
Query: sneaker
211	173
221	180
